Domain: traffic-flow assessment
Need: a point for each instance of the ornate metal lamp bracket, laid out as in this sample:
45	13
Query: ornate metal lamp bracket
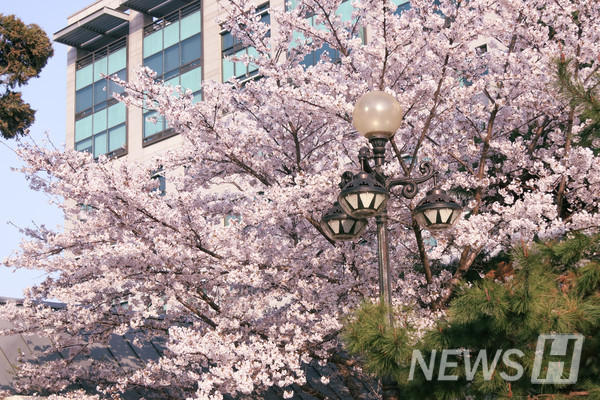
410	186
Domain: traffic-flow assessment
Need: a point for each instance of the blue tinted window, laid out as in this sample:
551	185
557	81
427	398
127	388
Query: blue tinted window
232	46
85	145
84	76
155	63
117	137
172	59
100	91
151	127
107	136
402	7
190	25
171	74
345	11
227	41
191	49
84	99
162	183
317	55
114	87
100	144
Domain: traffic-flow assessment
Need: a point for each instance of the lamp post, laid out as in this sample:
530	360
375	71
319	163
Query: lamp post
377	116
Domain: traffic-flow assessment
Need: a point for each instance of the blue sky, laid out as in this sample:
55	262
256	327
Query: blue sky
47	94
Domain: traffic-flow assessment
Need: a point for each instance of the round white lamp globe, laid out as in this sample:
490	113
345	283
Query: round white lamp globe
377	115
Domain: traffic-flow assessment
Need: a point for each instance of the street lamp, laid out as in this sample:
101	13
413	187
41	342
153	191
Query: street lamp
364	196
340	226
436	212
377	116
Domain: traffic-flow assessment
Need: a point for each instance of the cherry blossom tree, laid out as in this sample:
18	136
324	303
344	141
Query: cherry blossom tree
246	307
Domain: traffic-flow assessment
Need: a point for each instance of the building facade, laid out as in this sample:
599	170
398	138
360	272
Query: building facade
179	39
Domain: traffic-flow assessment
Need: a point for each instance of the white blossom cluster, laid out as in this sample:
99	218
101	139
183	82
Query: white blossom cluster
244	308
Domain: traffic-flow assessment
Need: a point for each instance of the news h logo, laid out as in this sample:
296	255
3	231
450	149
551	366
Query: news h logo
548	366
555	369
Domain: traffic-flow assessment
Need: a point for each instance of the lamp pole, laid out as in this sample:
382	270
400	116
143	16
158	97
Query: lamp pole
377	116
389	387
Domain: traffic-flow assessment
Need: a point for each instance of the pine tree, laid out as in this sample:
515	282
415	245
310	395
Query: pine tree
24	51
555	289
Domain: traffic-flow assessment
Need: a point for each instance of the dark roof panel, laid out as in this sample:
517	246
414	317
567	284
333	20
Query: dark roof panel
156	8
124	353
7	356
96	30
144	349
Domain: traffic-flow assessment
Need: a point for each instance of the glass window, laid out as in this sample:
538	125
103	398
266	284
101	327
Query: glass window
171	60
116	114
173	81
150	127
84	76
192	80
228	70
100	145
171	74
171	34
117	61
240	70
191	25
191	49
153	43
231	219
100	68
93	118
253	53
155	63
179	50
345	11
403	5
99	121
91	133
84	99
316	56
162	182
100	91
227	41
231	46
83	128
117	137
86	145
115	87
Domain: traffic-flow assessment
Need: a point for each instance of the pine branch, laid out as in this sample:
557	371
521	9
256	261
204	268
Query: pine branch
585	101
